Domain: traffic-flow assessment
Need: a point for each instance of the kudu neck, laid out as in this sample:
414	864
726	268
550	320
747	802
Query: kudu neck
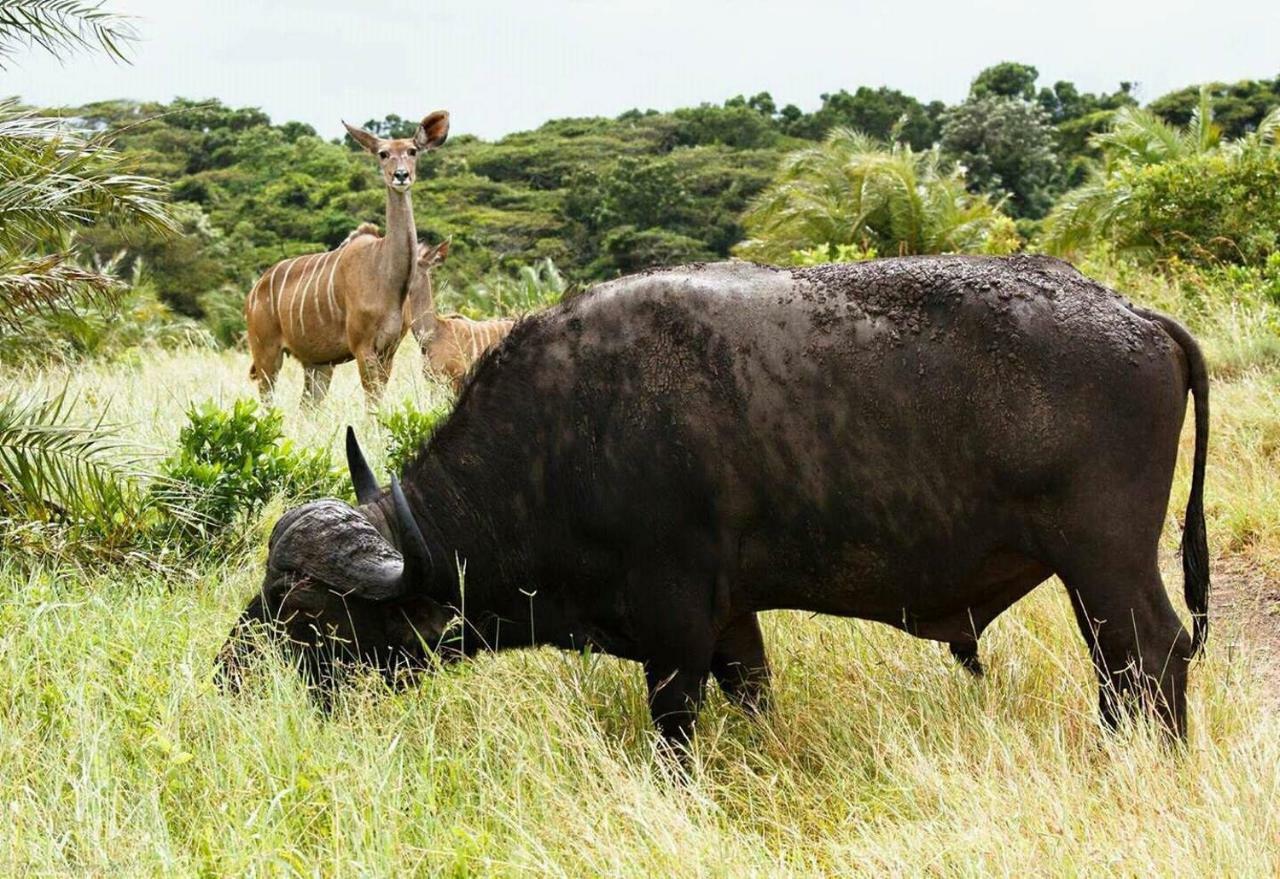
400	247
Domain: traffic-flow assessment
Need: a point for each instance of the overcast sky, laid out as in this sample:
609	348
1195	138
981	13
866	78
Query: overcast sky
501	65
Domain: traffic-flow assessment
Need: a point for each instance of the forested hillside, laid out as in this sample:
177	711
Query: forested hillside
597	196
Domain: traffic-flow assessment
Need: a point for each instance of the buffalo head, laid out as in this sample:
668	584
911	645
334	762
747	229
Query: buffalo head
345	585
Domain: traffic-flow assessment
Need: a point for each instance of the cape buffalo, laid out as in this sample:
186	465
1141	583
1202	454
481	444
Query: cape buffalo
644	468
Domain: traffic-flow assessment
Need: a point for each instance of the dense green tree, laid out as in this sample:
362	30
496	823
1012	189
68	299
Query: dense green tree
1008	79
1238	107
883	113
182	267
1006	146
389	126
1064	102
736	125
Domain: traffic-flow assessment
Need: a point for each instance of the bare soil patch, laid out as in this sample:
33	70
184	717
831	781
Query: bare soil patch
1244	610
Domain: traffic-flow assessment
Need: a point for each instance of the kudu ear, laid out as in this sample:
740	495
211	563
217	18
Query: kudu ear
432	255
369	141
432	131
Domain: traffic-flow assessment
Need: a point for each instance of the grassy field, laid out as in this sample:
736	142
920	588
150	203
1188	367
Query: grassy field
118	756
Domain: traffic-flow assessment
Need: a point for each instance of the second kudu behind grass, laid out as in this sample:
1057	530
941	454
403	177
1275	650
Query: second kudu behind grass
347	303
450	343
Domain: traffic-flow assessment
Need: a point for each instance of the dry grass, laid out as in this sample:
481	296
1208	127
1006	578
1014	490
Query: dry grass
119	757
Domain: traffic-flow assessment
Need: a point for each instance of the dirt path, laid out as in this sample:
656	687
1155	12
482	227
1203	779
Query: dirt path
1244	610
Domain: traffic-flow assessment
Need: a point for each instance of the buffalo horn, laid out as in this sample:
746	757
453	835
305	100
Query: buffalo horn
362	478
413	547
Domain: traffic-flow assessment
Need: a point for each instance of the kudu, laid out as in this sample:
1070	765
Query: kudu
452	343
347	303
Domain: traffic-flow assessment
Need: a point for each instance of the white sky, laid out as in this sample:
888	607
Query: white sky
503	65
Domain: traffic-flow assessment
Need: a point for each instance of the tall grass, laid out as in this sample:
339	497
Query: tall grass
118	755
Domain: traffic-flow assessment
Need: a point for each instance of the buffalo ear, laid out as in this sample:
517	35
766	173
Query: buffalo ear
433	130
371	142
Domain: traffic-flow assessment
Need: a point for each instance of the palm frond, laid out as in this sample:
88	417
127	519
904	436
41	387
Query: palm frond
48	283
1139	137
53	177
1268	131
52	468
1202	133
61	27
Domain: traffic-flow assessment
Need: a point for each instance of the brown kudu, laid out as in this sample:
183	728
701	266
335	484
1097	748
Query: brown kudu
450	344
347	303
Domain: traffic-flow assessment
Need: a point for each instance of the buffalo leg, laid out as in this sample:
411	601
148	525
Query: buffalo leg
676	637
966	654
675	695
740	665
315	384
1140	650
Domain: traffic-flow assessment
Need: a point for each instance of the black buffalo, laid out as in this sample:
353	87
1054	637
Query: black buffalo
645	468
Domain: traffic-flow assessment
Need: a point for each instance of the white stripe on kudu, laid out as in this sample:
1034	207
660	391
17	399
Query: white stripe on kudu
271	276
333	305
315	280
284	289
302	292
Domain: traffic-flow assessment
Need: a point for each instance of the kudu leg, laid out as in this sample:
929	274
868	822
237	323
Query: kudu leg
268	357
373	374
315	384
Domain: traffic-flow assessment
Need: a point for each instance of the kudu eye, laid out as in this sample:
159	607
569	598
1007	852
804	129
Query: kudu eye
383	154
412	152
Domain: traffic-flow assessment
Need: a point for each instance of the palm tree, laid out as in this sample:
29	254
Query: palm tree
54	178
1103	207
1140	137
852	190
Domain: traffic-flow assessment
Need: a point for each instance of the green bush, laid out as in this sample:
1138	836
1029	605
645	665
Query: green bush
408	430
1207	209
230	462
825	253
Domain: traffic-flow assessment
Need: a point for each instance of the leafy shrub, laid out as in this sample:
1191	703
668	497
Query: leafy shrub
1216	208
408	430
1164	193
230	462
825	253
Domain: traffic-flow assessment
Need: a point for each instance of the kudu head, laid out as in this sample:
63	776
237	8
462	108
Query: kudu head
346	585
398	156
